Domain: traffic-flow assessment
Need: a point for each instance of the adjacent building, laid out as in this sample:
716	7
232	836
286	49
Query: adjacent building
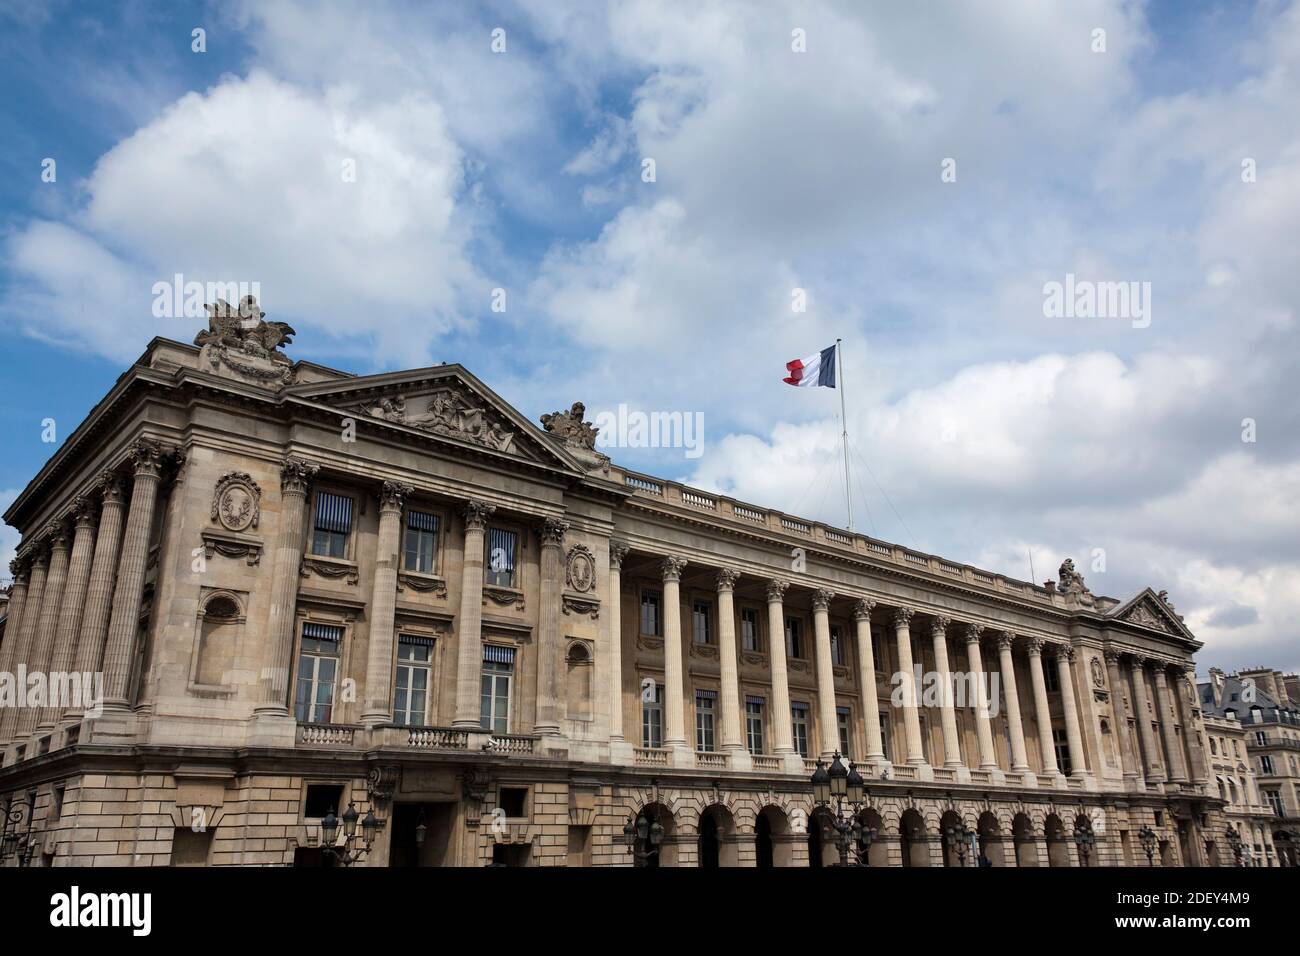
303	590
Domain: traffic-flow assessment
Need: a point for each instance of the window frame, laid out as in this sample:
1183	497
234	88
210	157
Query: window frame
803	712
706	720
311	716
436	562
757	647
349	537
429	666
517	569
750	718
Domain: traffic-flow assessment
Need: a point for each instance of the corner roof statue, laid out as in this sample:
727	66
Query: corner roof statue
570	428
1071	581
240	339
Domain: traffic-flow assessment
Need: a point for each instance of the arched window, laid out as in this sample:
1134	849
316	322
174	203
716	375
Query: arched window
578	680
220	623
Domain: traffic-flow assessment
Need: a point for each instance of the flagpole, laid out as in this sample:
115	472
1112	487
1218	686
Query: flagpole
844	430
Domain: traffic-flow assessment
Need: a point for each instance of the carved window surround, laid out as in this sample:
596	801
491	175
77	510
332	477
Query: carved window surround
581	604
231	544
503	597
330	567
754	658
707	651
424	583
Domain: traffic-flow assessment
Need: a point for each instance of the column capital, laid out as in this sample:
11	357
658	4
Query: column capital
84	512
1006	641
1063	652
1035	646
939	626
617	552
973	633
146	457
295	475
671	567
776	589
1140	661
56	534
863	608
109	486
19	566
727	579
821	599
552	531
393	494
902	616
1111	655
476	514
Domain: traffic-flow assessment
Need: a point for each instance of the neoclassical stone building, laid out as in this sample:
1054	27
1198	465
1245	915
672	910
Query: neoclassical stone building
305	588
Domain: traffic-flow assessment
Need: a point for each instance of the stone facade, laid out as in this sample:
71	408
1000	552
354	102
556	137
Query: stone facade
304	589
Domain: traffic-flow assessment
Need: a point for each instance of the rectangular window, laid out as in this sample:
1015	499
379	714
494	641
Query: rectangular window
837	646
1050	677
793	637
494	702
876	650
652	715
700	622
1274	798
332	526
749	628
414	681
1060	742
842	718
1266	765
499	558
705	700
1261	737
651	620
318	662
754	724
799	721
420	548
884	734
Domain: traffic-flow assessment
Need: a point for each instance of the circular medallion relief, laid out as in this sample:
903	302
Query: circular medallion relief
237	502
581	570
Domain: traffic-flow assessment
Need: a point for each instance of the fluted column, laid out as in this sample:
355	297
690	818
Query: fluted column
549	652
74	602
947	712
1150	749
674	694
983	727
19	568
1185	690
782	728
9	716
1042	713
907	679
1177	770
295	479
1011	697
732	741
383	606
821	604
103	574
867	679
1065	677
469	660
617	552
1130	766
42	651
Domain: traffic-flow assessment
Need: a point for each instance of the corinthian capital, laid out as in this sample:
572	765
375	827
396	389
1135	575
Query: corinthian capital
1035	646
393	495
146	457
109	487
617	552
939	626
903	616
821	599
83	512
727	579
862	610
973	633
552	531
56	533
1006	641
296	475
1063	652
672	568
776	589
476	514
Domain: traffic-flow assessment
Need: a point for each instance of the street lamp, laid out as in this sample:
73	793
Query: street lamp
837	790
348	854
957	836
646	832
1147	837
1234	843
1084	839
21	846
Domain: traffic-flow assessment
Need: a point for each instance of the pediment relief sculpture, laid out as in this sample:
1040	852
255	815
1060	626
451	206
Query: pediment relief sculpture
447	411
1146	616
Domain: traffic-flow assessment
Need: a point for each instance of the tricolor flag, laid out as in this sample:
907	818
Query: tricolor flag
816	369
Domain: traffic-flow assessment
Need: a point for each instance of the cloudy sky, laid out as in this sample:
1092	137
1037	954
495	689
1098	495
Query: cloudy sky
795	146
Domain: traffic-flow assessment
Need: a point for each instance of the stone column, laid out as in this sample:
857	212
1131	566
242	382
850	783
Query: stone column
74	602
42	650
1142	702
10	716
19	569
733	742
782	727
947	713
1065	677
617	552
867	679
549	651
273	688
103	574
674	692
469	660
1185	690
983	728
1042	713
383	605
1011	698
830	736
911	716
1120	715
1177	771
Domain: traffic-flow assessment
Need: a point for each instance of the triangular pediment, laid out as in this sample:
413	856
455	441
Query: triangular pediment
445	401
1146	609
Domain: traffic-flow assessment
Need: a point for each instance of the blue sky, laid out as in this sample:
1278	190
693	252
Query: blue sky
983	429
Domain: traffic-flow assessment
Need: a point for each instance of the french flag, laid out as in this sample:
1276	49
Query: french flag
816	369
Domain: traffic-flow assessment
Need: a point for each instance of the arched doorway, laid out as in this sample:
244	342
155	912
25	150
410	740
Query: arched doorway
953	854
1058	852
717	844
645	851
1022	838
877	853
992	848
822	848
912	839
708	842
772	838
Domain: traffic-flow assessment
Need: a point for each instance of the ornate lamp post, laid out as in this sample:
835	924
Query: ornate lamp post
957	837
645	832
21	846
1147	836
1234	843
348	853
837	790
1085	840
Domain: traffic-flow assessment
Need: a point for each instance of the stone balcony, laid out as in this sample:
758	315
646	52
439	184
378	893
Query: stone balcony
358	737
